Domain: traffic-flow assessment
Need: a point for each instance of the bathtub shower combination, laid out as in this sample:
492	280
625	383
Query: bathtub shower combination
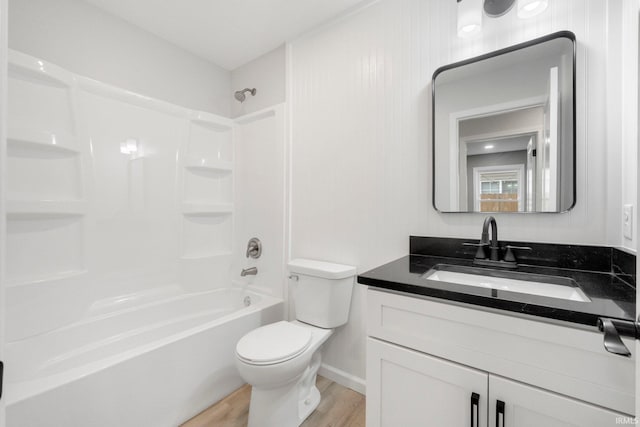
120	225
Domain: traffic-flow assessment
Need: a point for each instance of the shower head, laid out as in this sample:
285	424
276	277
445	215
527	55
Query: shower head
240	94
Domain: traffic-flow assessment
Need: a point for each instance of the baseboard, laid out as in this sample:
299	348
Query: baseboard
343	378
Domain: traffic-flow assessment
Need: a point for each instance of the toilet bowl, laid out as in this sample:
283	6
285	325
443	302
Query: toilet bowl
281	360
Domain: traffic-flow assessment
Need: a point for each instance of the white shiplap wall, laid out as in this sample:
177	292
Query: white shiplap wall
359	94
629	106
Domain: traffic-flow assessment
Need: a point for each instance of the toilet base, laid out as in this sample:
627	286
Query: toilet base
288	405
276	407
308	405
281	407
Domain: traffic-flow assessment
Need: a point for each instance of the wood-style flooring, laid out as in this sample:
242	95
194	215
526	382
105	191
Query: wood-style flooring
339	407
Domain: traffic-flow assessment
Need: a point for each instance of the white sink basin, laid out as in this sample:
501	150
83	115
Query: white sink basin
532	284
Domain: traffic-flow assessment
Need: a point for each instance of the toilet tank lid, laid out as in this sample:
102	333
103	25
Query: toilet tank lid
323	269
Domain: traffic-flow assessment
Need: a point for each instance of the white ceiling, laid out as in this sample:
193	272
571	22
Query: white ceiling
228	33
500	145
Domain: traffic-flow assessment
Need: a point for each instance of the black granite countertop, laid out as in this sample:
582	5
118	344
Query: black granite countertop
610	296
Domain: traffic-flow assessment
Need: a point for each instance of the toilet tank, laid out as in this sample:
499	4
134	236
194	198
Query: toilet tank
323	292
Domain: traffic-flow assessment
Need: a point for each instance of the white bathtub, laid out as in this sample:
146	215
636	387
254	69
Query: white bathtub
155	365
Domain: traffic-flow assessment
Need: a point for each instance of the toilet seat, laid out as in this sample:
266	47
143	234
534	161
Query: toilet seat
274	343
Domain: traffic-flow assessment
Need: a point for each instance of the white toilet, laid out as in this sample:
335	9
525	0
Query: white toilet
280	360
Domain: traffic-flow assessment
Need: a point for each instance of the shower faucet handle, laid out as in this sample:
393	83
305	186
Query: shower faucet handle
254	248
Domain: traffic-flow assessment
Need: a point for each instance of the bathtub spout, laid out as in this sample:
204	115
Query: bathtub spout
249	271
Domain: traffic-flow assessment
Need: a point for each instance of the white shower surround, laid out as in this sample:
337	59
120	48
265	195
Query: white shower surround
120	247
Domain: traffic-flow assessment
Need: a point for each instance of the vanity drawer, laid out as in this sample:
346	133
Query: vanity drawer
563	359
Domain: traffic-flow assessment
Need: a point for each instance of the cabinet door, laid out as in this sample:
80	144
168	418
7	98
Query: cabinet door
526	406
410	389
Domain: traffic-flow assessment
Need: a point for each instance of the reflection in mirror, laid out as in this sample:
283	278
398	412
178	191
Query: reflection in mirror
504	130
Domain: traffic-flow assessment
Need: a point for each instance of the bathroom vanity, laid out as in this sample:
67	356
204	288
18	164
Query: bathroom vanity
451	354
465	332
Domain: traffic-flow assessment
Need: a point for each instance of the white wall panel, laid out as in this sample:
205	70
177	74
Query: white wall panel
360	98
260	174
3	178
629	107
91	42
267	75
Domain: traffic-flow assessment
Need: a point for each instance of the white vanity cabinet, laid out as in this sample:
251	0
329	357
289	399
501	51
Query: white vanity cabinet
437	364
406	388
521	405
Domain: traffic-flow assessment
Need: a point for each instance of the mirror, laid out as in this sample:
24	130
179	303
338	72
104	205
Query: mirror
504	129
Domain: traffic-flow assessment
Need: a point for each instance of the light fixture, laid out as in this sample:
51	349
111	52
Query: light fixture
497	8
470	12
469	17
488	146
529	8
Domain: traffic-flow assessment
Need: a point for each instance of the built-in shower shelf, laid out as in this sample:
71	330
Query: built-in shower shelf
204	164
45	141
44	208
210	121
206	209
28	68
